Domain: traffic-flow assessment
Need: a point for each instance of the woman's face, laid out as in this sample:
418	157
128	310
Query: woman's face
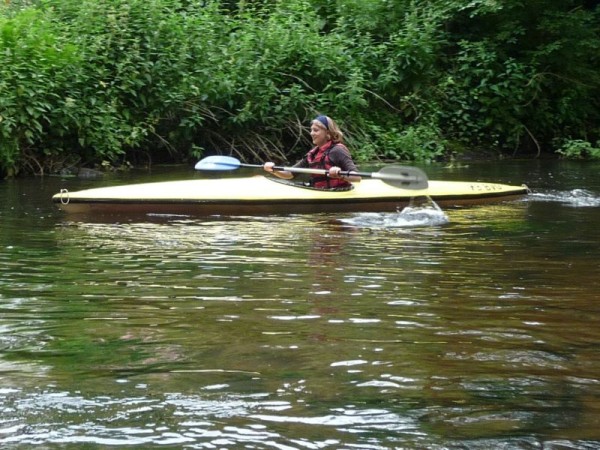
318	134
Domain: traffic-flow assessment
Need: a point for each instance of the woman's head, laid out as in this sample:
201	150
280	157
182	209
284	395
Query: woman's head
330	128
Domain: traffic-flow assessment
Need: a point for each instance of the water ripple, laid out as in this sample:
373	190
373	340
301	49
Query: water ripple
578	198
303	331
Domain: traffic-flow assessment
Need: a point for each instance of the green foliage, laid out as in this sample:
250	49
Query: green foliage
536	64
87	81
579	149
420	142
484	99
35	63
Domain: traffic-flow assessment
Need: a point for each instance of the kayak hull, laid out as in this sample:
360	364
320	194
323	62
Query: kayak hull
260	195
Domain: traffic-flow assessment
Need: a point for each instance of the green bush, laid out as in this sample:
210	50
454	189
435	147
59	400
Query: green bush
579	149
35	63
87	81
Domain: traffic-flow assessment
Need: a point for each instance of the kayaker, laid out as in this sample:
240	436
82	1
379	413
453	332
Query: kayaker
329	154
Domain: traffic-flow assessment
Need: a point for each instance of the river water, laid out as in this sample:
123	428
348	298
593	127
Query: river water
469	328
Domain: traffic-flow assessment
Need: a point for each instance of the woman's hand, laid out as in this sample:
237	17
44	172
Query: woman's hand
268	167
334	172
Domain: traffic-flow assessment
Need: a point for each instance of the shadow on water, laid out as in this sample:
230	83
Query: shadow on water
466	328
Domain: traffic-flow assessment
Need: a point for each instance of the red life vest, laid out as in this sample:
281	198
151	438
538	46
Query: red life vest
318	158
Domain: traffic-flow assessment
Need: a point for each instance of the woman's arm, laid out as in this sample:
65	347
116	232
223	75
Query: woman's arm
342	162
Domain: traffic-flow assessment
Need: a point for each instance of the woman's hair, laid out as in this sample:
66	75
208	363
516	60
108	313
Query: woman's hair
329	124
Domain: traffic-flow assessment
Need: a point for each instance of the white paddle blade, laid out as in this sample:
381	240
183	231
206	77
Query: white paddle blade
217	162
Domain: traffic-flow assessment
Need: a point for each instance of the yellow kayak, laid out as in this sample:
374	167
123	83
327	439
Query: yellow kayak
266	195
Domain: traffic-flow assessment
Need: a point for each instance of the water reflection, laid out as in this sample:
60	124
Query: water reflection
304	331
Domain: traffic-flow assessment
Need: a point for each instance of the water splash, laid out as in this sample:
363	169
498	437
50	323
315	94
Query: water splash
427	215
578	198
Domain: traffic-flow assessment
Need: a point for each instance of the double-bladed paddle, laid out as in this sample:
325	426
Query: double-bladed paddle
404	177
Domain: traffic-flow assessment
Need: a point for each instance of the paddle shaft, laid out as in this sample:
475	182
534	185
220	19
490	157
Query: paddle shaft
344	173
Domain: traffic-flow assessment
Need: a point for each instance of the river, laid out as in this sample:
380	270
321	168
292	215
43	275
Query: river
469	328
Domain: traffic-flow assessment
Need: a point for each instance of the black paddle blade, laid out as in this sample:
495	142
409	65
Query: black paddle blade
405	177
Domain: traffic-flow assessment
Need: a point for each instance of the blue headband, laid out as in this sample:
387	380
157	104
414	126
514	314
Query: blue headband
324	121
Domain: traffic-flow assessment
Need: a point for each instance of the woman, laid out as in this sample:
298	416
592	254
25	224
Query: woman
329	154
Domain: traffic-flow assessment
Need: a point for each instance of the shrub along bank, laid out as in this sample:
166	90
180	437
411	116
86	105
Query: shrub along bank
89	81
